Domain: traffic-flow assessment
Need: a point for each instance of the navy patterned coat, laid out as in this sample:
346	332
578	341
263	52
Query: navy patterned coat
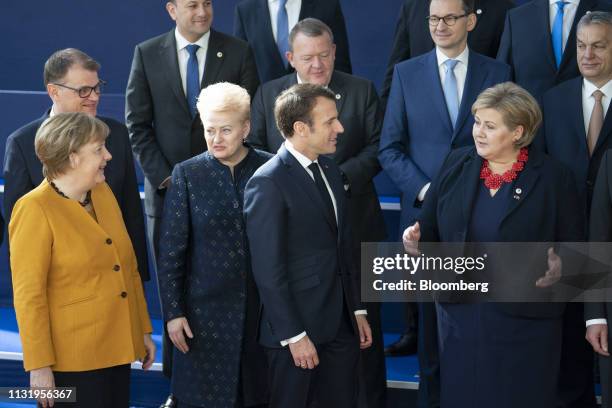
204	275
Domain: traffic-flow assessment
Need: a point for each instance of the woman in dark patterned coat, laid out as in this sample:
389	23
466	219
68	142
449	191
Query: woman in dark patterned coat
209	298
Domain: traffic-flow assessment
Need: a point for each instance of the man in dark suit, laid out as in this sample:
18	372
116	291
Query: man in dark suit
167	75
296	216
535	39
598	313
412	36
417	136
577	131
265	25
356	154
71	80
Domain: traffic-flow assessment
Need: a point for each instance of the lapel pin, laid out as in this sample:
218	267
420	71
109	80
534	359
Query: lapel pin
518	190
219	54
479	11
338	96
517	197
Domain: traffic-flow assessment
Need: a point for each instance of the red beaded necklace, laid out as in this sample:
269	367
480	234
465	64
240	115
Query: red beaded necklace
494	181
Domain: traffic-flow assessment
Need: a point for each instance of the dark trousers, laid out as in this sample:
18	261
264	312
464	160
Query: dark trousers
153	233
104	388
576	382
331	384
372	368
429	361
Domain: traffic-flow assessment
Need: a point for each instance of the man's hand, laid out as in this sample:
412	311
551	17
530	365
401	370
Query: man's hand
365	332
553	274
411	238
304	353
177	328
149	358
597	335
43	378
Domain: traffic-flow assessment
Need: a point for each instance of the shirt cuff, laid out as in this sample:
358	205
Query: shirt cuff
423	191
591	322
361	312
293	339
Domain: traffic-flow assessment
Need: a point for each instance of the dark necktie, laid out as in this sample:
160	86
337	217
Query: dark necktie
193	78
318	180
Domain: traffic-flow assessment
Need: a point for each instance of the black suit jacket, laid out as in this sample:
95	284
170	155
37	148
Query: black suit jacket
252	24
564	136
548	195
357	149
161	128
526	46
600	230
412	37
301	259
23	172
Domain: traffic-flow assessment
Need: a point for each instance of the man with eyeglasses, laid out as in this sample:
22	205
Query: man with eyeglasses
412	35
428	114
72	82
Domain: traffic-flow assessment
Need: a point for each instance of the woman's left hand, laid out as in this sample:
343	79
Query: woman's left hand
149	358
553	274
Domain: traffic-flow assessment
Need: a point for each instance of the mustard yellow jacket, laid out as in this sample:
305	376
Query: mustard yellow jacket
77	292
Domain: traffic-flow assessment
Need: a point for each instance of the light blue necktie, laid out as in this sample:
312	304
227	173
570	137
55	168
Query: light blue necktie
193	78
557	33
282	29
451	91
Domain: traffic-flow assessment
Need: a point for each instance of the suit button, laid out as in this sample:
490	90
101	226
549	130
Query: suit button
116	268
109	241
123	294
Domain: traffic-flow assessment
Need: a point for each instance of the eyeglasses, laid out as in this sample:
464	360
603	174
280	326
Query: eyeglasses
85	91
449	20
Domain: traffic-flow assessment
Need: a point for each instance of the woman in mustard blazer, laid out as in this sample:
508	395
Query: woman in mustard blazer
78	297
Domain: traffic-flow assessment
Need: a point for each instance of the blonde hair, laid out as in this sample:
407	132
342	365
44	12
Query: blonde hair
516	106
225	97
63	134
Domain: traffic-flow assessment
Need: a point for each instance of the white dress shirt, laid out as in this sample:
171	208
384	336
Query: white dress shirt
305	162
183	55
293	8
569	13
588	101
460	74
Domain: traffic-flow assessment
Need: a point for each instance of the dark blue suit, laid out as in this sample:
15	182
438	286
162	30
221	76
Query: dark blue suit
303	268
416	137
564	138
485	347
526	46
23	172
252	24
204	275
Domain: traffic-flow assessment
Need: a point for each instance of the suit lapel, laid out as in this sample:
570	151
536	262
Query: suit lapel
434	84
168	58
605	130
542	13
214	59
525	183
302	178
576	116
306	10
337	189
470	174
264	10
337	86
474	79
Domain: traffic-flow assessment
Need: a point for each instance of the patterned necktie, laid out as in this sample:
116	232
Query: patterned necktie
596	122
193	78
557	33
282	29
318	180
451	91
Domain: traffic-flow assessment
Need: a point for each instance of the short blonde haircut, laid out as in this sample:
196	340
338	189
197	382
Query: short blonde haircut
63	134
225	97
517	107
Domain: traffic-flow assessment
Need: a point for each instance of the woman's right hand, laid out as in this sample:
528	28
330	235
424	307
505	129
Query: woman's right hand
43	378
411	238
176	328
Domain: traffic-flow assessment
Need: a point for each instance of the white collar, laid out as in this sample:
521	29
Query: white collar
303	160
463	57
589	87
181	42
554	2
